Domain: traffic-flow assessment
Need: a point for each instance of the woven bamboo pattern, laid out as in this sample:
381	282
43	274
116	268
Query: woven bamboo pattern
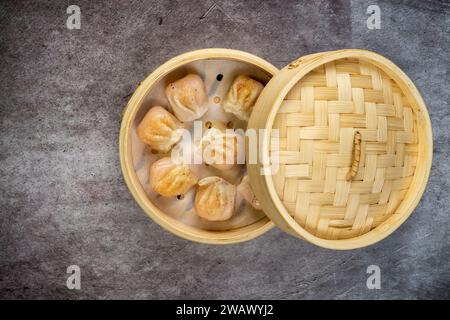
317	122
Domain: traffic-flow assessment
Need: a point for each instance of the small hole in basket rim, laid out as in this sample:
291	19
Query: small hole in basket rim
219	77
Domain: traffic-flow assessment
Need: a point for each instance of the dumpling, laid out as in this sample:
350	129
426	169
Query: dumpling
215	198
245	190
220	147
241	96
158	129
187	97
170	179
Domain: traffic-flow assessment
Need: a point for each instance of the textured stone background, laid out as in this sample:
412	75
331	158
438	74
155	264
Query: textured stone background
62	197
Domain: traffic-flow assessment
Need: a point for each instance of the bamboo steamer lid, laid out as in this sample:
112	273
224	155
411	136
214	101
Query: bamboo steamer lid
355	148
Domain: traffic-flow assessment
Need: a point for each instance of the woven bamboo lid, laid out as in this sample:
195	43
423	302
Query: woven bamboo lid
355	148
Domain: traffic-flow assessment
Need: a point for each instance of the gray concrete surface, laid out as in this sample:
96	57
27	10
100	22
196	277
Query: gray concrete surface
62	197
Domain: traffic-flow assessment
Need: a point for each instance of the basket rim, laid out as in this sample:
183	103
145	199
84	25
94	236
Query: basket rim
293	73
168	223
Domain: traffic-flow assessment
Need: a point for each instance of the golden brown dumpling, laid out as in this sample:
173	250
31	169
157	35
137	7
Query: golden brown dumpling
215	198
241	96
245	190
158	129
187	97
220	147
170	179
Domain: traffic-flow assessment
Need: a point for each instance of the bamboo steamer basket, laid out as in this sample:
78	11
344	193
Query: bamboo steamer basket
355	148
135	106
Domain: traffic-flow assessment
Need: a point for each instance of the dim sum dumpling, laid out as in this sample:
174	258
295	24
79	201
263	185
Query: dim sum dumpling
158	129
187	97
220	147
170	179
245	190
215	199
241	96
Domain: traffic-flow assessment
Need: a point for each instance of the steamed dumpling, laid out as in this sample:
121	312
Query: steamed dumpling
158	129
245	190
215	198
187	97
241	96
170	179
220	147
